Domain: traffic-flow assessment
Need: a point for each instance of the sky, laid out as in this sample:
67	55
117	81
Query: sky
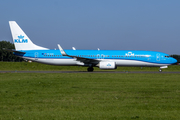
151	25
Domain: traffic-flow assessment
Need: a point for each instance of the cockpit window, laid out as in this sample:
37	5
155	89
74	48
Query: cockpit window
167	56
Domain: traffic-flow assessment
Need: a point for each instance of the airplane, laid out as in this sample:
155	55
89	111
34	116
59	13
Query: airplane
104	59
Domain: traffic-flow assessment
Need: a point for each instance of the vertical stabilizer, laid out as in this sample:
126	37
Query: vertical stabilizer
21	40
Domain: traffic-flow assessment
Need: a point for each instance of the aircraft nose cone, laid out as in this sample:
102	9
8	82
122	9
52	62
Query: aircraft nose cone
174	60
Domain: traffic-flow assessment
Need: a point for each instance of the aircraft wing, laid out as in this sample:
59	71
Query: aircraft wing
12	50
82	59
86	60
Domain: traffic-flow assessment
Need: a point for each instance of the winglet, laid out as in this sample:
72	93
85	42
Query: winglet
62	51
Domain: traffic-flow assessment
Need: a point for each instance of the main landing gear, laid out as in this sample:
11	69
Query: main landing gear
90	69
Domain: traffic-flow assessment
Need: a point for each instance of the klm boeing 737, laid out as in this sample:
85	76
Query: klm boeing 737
104	59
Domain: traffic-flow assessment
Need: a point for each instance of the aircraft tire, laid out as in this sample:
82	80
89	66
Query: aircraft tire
90	69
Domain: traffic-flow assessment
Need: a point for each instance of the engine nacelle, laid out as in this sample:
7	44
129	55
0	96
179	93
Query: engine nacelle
107	65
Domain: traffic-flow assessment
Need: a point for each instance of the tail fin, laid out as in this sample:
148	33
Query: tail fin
21	40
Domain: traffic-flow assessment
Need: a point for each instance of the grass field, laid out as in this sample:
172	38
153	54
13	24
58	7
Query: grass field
88	96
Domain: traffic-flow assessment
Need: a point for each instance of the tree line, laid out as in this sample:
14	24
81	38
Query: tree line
9	56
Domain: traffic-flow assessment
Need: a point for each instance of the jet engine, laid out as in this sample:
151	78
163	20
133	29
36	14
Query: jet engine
107	65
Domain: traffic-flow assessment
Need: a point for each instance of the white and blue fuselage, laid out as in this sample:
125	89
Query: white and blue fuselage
104	59
120	57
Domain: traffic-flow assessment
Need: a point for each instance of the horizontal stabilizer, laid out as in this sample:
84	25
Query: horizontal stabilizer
12	50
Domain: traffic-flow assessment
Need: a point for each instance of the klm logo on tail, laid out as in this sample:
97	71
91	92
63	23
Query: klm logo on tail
21	40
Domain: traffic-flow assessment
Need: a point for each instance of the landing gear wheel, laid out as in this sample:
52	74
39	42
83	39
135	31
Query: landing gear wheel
160	70
90	69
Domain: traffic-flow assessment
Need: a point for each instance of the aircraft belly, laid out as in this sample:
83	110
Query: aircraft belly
130	63
61	61
54	61
137	63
